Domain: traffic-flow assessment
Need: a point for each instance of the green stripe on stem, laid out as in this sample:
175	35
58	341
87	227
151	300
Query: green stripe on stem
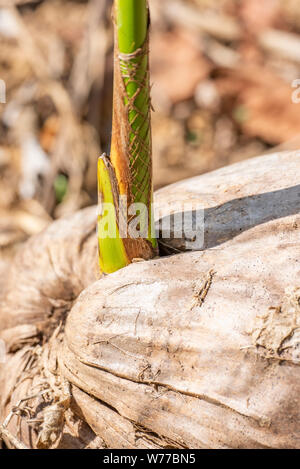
112	254
132	24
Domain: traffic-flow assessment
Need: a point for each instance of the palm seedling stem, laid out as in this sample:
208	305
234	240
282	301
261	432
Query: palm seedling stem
125	221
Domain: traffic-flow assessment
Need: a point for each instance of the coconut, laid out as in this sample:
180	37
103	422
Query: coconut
196	349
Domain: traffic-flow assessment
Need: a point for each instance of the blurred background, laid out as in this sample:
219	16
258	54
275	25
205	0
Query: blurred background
223	73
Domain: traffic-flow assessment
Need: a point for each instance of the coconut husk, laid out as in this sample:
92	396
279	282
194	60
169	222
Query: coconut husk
195	350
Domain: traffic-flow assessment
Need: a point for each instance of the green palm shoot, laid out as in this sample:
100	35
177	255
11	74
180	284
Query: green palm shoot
125	221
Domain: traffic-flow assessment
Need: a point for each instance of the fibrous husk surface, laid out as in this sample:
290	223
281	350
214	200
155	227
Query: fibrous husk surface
198	349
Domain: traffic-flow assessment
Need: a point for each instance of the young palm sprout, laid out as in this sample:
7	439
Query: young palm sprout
125	221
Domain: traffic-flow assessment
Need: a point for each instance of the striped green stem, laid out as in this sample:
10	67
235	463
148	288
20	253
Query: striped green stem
130	165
